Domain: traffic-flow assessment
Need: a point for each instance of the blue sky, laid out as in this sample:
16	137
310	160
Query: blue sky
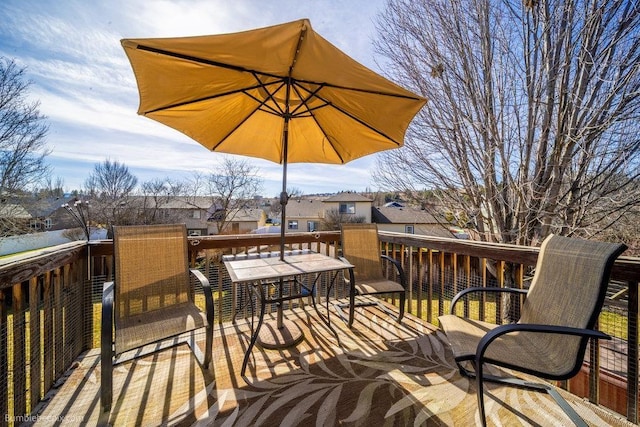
86	87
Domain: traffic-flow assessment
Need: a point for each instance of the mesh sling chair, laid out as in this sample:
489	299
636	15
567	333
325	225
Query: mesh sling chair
361	248
150	299
557	320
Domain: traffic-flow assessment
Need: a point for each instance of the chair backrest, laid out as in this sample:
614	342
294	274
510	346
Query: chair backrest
568	288
151	268
361	247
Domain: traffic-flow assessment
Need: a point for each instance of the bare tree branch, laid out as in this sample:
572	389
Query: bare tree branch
531	126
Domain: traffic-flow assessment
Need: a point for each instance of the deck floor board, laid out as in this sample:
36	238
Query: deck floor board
380	372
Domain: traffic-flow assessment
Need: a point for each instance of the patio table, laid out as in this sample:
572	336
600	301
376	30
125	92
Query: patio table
266	271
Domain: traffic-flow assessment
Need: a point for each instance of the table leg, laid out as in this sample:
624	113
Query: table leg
280	311
279	334
255	332
328	320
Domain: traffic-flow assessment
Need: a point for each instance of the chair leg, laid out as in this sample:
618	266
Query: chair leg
544	388
106	348
209	344
480	393
106	379
517	382
352	306
401	311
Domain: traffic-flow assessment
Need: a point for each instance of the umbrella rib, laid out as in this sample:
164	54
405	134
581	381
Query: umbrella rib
255	73
346	113
220	95
261	103
224	138
355	89
270	96
303	100
202	60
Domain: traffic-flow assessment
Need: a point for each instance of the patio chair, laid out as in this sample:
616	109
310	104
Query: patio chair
150	299
361	248
557	320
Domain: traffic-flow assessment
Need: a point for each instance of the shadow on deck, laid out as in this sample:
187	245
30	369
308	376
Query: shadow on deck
380	372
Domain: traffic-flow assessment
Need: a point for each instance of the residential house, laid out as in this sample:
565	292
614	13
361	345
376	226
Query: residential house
304	214
50	215
13	217
349	204
240	221
411	220
192	211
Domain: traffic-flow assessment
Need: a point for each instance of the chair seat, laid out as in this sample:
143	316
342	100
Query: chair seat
139	330
525	350
378	286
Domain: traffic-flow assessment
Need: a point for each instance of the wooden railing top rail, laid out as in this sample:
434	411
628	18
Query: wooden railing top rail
241	240
104	247
16	269
625	268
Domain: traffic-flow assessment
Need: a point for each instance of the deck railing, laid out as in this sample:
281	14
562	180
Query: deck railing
50	305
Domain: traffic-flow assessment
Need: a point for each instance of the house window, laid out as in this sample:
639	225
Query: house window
312	226
292	225
347	208
408	229
47	223
196	214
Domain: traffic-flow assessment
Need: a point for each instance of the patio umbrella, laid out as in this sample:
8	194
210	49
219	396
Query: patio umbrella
281	93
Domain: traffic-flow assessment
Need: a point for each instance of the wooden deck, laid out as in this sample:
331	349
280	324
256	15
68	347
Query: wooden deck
379	372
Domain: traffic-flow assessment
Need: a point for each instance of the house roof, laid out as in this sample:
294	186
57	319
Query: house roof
435	230
46	206
403	215
11	210
424	222
245	215
394	205
305	208
347	197
187	203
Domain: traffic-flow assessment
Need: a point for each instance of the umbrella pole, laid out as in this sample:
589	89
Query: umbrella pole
284	197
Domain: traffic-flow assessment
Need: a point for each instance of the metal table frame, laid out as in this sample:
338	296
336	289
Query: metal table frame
263	270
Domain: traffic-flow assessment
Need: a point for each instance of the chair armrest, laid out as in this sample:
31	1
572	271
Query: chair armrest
493	334
351	278
464	292
208	296
396	263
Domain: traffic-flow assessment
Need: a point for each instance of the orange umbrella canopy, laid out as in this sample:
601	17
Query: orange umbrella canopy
281	93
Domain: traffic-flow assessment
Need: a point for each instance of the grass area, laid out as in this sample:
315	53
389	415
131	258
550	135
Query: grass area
614	324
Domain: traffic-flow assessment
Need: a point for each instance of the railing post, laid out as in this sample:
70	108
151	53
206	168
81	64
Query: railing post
483	297
442	285
632	356
409	302
48	351
19	350
58	339
35	348
420	278
4	383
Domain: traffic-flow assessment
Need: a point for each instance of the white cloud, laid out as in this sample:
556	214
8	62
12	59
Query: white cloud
86	87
